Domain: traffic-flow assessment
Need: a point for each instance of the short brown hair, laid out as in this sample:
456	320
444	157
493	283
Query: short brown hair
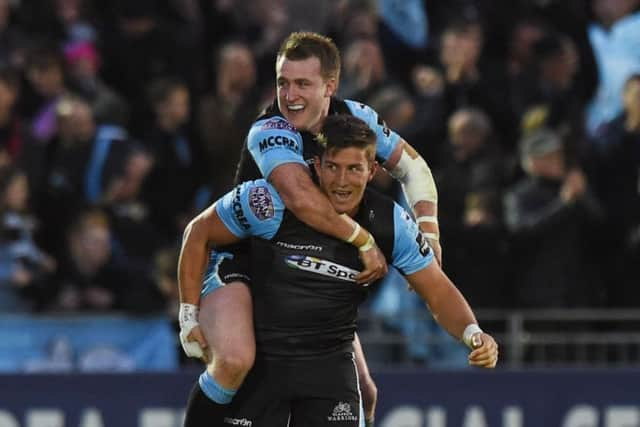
340	131
303	45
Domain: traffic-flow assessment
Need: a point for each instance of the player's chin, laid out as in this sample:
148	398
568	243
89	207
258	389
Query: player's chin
298	120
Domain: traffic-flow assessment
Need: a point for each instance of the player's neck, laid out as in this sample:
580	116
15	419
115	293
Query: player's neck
315	129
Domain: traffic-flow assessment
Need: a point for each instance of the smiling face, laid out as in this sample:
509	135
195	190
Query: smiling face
343	175
303	94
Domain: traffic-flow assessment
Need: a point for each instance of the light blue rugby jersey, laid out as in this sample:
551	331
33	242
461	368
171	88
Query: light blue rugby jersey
254	208
274	141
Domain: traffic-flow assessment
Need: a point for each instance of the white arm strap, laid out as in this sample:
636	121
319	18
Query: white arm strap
417	181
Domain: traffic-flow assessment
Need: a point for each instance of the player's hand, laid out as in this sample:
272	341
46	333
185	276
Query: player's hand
191	337
485	351
375	266
437	250
196	337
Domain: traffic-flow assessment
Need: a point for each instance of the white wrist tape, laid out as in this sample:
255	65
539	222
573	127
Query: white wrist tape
431	236
417	181
427	218
469	332
368	244
188	319
355	233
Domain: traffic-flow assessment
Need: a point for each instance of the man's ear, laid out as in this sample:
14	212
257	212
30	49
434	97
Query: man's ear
374	169
317	163
332	86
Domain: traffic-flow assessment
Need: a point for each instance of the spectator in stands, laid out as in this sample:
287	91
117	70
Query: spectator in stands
45	74
69	170
402	47
137	48
396	108
471	81
363	72
552	217
72	18
24	267
614	37
428	87
471	181
523	36
171	186
225	115
549	93
88	279
617	167
11	130
134	236
60	21
83	63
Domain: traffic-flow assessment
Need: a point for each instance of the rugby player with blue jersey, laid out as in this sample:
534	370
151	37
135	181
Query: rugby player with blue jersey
305	290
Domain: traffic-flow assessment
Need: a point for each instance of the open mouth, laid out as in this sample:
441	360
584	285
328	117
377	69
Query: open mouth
342	195
295	108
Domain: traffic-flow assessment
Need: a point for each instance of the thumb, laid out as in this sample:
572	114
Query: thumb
196	335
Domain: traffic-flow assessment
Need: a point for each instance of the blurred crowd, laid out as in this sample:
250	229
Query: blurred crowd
120	120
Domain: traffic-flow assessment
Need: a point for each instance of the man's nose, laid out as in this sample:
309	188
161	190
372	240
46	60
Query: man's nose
342	177
290	93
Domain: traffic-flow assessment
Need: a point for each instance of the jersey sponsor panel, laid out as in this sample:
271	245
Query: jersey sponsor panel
322	267
278	141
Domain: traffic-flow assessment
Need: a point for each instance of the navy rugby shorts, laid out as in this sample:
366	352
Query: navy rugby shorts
315	392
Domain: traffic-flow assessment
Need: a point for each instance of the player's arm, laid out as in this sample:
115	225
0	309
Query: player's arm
250	209
205	229
452	312
405	164
277	149
414	258
367	385
305	200
202	232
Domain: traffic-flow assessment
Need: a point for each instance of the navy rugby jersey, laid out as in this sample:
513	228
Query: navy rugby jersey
273	141
305	297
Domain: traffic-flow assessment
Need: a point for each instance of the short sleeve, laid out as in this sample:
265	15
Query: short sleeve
387	140
252	208
273	142
411	251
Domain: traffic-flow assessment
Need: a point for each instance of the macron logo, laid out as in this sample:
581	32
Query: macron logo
242	422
